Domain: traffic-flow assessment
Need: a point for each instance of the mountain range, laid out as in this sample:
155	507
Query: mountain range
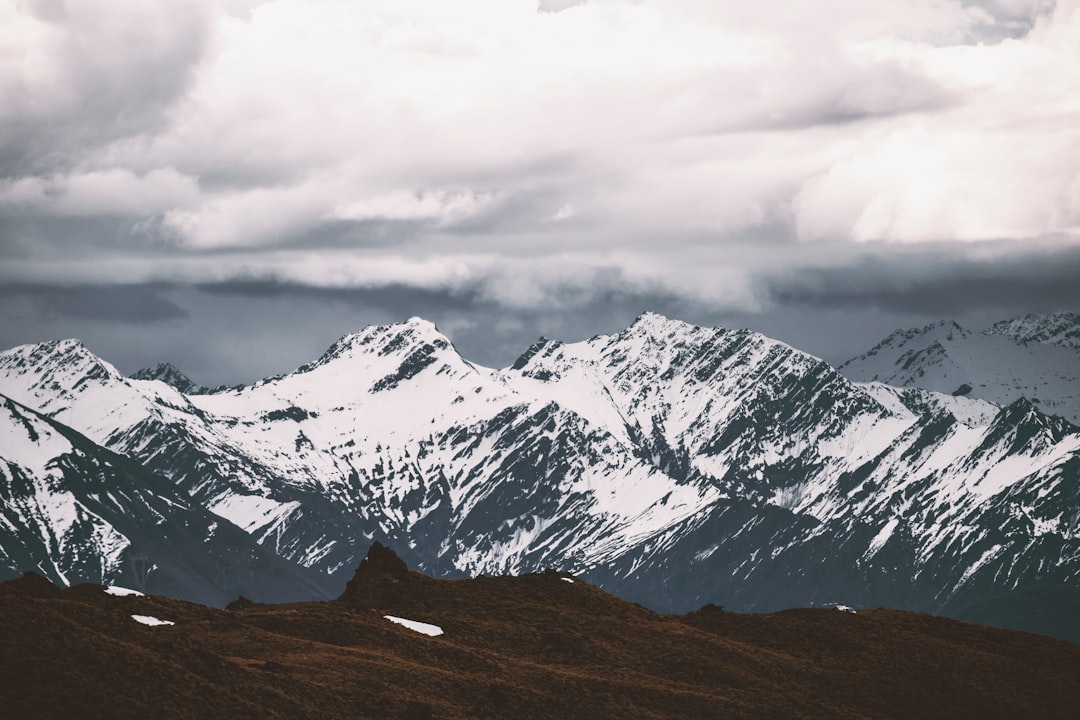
671	464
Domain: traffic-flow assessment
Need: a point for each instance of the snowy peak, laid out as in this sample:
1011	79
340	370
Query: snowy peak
49	375
405	349
168	374
913	338
662	331
69	356
1062	329
655	324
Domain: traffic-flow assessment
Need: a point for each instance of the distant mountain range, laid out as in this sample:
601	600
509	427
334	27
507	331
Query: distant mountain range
1034	357
671	464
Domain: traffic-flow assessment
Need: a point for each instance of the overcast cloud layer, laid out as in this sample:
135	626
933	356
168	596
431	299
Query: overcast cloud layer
509	166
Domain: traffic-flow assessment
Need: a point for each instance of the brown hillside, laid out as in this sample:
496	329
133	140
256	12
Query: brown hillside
524	647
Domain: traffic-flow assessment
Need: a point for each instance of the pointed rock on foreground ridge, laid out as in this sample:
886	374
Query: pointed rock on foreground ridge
376	576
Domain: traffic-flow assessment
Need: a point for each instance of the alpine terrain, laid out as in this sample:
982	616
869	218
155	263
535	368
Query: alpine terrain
671	464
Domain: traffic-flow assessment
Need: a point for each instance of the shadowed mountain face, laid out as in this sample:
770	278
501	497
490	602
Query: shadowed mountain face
81	512
538	646
671	464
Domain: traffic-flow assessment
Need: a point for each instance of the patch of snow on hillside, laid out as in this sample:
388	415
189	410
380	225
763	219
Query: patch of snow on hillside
122	591
420	627
151	620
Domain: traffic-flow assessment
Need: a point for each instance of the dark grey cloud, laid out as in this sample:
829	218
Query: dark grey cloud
941	280
129	305
242	330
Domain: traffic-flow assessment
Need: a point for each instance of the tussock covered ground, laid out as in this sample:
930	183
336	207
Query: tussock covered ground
533	646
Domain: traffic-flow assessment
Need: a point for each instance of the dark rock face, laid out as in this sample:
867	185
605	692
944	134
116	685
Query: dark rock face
169	375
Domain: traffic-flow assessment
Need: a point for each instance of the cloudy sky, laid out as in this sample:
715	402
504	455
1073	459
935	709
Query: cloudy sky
231	185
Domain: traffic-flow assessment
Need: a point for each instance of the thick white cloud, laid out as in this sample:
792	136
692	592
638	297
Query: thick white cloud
999	164
116	191
523	147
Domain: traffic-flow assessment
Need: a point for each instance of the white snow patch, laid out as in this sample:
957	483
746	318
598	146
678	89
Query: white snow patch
569	580
251	512
708	552
881	538
986	557
151	620
122	591
420	627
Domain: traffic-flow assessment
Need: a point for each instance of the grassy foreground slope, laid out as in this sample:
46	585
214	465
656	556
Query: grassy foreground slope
535	646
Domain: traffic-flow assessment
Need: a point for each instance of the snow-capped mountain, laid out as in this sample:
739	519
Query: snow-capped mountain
1029	357
673	464
1062	329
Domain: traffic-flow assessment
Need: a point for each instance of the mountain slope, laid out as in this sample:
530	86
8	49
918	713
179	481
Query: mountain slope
76	512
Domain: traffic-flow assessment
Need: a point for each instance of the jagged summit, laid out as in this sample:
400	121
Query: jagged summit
653	319
934	332
1029	430
381	564
170	375
659	326
69	352
49	376
396	339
